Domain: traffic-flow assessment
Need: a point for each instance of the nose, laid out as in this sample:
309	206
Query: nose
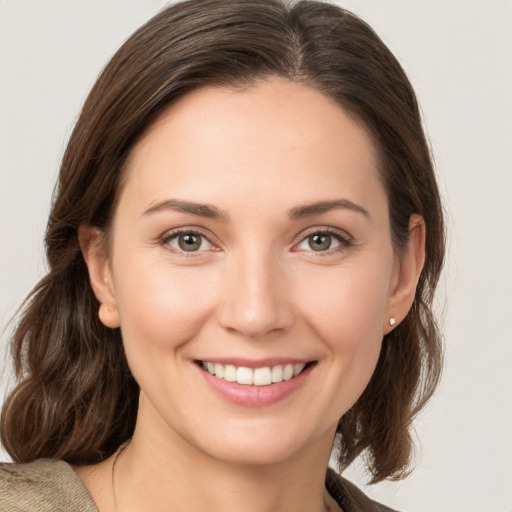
255	299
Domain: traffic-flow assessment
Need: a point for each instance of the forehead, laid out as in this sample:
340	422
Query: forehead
275	137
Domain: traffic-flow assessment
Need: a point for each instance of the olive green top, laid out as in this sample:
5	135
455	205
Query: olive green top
47	485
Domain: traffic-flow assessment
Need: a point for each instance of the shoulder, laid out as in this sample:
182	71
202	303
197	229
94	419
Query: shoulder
349	497
44	485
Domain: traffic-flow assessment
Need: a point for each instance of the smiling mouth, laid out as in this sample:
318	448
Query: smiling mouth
263	376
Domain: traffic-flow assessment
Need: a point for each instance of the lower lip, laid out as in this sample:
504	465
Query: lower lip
255	396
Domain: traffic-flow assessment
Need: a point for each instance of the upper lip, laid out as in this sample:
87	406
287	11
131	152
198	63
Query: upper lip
255	363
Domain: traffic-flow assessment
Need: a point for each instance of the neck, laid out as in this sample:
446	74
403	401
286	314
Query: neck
166	473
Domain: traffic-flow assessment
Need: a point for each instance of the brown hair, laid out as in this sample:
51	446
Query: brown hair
76	398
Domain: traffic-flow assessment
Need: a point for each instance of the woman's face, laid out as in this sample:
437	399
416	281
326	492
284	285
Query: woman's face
251	237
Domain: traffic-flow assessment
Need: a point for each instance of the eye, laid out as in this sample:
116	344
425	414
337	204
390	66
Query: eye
324	241
187	241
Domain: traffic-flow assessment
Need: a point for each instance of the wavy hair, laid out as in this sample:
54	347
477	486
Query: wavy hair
75	397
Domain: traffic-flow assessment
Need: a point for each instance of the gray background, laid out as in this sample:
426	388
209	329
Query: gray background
458	54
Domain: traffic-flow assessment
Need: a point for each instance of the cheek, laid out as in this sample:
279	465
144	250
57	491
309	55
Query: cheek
345	310
347	304
159	306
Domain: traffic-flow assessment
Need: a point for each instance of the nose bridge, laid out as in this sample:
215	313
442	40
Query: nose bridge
255	301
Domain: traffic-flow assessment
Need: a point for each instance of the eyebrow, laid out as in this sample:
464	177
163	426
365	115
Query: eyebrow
211	212
324	206
201	210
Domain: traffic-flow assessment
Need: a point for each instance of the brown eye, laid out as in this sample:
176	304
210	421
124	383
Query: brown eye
325	242
319	241
188	241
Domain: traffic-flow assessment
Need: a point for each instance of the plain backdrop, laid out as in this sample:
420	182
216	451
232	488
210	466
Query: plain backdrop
458	54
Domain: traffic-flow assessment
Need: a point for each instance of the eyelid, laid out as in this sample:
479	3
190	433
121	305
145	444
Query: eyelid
345	238
322	228
194	230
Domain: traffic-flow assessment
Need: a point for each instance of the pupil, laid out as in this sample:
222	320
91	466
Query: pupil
320	242
189	242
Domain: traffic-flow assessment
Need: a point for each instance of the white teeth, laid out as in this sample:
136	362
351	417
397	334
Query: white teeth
257	377
262	376
244	375
288	372
219	370
277	373
298	368
229	373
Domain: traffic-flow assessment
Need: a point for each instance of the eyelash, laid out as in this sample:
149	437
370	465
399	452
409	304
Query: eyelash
168	237
343	238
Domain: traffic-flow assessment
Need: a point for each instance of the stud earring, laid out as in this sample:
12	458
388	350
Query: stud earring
392	321
106	309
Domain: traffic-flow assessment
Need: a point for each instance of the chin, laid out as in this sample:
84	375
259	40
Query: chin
262	445
254	454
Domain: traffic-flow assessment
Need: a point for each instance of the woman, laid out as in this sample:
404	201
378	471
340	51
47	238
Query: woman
243	248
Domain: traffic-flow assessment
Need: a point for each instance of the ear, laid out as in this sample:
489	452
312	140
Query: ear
100	275
407	274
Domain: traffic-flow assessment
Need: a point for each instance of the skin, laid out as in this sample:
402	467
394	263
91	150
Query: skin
256	288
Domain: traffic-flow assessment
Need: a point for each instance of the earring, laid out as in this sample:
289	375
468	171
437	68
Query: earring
105	309
108	315
392	321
